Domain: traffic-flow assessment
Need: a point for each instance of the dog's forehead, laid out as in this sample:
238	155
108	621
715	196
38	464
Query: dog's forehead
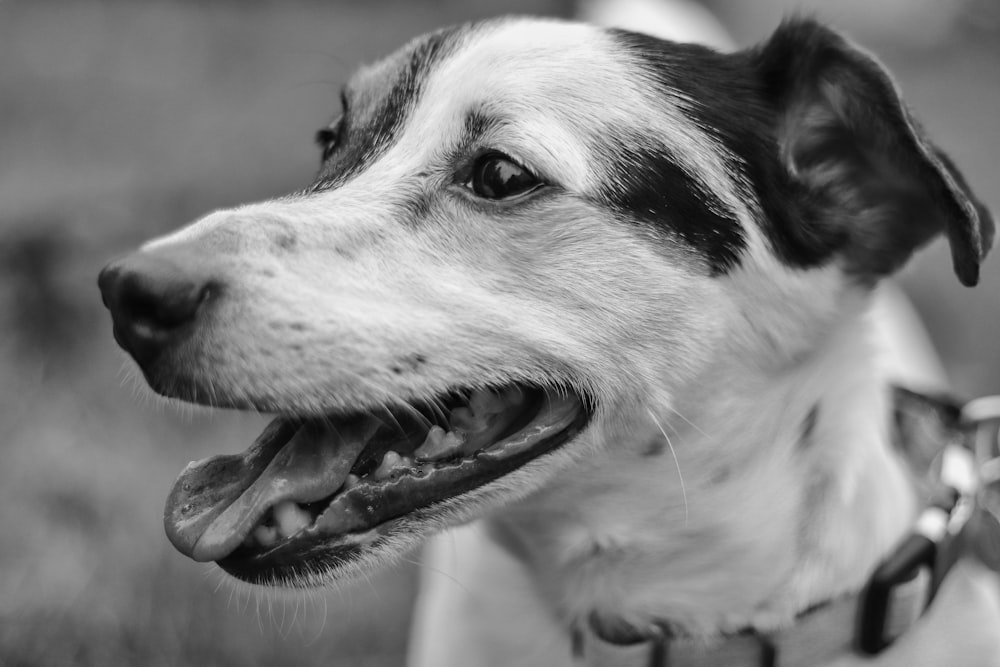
566	84
577	103
524	69
547	64
523	63
493	48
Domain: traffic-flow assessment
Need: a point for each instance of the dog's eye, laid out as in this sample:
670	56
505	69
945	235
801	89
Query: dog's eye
328	139
496	176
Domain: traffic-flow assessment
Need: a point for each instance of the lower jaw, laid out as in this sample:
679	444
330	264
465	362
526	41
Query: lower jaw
298	567
404	510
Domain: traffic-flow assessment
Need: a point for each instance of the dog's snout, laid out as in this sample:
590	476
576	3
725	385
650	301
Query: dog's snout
153	300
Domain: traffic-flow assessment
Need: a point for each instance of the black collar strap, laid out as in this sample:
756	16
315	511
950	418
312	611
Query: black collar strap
956	450
819	636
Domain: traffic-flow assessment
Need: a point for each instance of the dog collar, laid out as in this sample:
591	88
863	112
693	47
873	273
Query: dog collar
955	451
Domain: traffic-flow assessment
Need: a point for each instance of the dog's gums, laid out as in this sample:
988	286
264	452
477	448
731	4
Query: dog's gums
310	481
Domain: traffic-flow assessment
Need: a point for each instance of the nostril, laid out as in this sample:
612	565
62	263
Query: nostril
153	298
159	306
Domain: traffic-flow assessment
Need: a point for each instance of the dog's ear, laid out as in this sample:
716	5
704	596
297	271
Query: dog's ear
871	178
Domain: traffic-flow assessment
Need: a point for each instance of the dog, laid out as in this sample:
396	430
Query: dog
606	301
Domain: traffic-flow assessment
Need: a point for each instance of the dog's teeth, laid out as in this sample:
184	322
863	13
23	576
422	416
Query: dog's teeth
391	461
483	402
438	444
484	408
351	482
290	518
464	419
265	535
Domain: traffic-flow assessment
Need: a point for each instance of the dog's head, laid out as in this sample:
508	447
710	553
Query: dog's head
522	235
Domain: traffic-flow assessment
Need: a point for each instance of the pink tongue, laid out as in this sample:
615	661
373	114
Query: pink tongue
215	503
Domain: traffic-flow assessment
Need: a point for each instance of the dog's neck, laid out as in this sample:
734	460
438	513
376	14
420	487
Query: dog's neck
778	489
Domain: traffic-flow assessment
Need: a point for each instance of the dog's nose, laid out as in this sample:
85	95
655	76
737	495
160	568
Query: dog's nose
153	299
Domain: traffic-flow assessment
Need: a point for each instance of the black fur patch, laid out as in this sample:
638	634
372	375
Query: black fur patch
854	144
648	185
371	122
825	147
477	124
726	100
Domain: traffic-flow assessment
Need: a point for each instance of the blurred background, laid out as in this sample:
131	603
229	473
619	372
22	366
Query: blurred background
122	120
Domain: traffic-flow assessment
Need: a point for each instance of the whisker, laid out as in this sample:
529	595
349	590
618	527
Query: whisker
677	463
438	406
396	401
435	570
691	423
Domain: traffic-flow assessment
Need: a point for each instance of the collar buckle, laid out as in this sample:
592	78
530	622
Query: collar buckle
967	496
901	586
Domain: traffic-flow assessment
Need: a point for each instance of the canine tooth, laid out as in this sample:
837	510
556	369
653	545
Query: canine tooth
290	518
438	444
265	535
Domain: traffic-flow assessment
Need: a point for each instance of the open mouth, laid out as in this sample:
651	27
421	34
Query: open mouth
316	492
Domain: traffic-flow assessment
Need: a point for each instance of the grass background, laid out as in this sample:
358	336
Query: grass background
122	120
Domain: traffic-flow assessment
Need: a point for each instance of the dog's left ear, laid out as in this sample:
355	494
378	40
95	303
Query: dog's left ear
869	177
